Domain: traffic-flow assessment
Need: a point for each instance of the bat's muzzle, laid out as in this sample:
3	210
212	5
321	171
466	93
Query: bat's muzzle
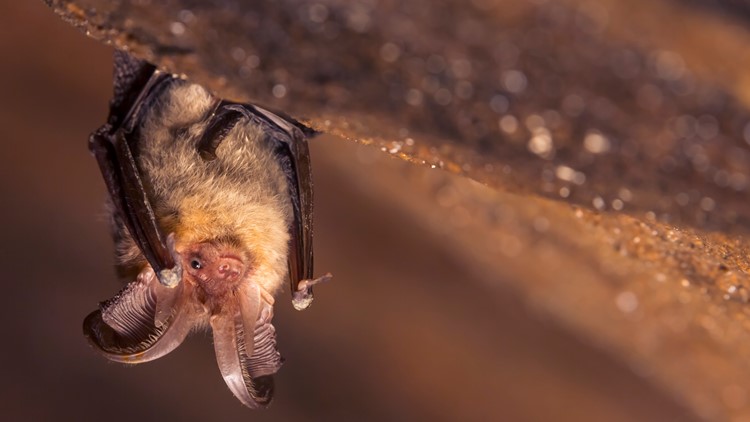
228	269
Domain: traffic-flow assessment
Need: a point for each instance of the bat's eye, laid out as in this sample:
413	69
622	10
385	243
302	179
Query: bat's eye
195	264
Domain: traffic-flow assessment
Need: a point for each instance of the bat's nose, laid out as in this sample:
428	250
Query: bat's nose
228	268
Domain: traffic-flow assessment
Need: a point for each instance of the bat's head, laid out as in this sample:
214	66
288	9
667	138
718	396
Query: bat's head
216	267
147	320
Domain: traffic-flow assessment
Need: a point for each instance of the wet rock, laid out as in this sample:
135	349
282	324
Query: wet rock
505	92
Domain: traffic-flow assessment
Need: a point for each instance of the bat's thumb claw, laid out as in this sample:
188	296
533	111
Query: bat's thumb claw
303	297
171	277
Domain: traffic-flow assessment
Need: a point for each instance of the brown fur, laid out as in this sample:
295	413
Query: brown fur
242	195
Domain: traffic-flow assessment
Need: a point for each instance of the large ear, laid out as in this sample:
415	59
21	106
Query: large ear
143	322
245	345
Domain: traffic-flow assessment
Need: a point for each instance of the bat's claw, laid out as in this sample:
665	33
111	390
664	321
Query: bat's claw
171	277
303	297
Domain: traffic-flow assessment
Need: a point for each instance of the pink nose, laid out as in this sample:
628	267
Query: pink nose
228	268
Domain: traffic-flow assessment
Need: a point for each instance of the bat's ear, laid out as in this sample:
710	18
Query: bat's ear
141	323
245	345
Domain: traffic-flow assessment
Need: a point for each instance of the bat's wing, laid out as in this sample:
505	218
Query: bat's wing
112	145
294	156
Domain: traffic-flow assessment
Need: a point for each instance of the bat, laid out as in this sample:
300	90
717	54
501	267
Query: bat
211	208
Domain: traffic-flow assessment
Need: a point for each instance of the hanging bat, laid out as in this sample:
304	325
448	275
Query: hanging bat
211	210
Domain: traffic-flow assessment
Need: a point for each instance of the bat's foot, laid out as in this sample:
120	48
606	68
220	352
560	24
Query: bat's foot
303	297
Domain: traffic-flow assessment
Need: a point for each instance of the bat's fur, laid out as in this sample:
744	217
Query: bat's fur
241	197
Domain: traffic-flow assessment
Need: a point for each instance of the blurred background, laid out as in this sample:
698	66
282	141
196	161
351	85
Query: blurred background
410	329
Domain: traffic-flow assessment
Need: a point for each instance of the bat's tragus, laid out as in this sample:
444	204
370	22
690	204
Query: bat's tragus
211	204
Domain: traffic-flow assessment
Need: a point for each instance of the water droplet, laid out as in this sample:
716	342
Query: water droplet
569	174
252	61
596	143
625	194
443	97
541	143
514	81
390	52
541	224
358	18
682	199
534	122
669	65
598	203
738	181
499	104
708	127
317	13
684	126
573	105
278	91
707	204
186	16
461	68
238	54
508	124
414	97
177	28
627	302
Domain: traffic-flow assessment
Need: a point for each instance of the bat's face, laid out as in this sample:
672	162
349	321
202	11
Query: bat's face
231	185
216	268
